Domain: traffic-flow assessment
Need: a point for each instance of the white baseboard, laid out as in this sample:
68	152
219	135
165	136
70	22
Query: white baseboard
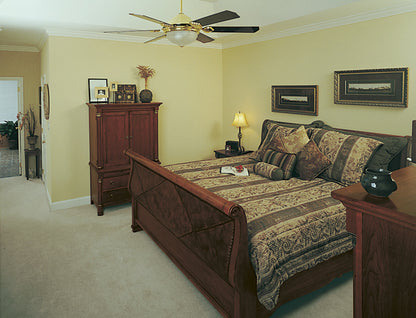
60	205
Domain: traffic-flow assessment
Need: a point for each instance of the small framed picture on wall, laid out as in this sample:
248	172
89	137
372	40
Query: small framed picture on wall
299	99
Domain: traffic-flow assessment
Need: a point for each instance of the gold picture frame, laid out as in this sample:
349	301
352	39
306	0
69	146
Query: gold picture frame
46	103
101	92
376	87
113	86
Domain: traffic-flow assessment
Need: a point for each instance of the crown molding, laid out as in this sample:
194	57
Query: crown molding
18	48
119	37
331	23
327	24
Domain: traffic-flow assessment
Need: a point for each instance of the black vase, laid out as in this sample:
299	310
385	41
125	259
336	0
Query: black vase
378	182
146	96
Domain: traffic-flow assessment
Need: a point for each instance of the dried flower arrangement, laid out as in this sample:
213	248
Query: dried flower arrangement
145	72
27	120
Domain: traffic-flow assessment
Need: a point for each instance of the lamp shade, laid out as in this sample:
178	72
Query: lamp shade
240	120
182	37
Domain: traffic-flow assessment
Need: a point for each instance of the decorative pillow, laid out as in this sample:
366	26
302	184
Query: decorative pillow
294	142
391	147
277	144
349	154
311	162
269	171
274	131
385	154
286	161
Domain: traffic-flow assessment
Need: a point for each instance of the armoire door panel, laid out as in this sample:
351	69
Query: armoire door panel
115	138
142	133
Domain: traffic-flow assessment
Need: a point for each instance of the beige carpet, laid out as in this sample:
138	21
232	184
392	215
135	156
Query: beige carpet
71	263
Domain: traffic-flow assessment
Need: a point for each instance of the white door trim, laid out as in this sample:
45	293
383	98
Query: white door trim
45	131
19	109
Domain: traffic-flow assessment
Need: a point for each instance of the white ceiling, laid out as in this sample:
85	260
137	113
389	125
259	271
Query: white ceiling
26	23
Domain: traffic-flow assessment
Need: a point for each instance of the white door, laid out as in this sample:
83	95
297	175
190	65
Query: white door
11	102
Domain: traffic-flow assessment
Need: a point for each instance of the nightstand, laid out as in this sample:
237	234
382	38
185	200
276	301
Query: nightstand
224	154
384	255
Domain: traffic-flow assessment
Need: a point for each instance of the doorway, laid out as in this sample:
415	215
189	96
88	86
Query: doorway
11	102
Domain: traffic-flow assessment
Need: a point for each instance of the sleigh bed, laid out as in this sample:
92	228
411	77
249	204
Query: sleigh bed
251	244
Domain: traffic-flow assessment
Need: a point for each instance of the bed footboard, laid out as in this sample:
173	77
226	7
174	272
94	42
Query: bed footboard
203	234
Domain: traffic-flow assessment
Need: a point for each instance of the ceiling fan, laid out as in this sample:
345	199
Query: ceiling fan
182	30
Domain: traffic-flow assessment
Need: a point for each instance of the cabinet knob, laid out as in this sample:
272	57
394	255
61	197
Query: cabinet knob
112	182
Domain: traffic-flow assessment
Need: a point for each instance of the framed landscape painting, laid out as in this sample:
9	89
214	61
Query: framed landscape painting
378	87
299	99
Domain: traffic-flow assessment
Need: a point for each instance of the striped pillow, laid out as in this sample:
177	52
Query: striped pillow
349	154
286	161
267	170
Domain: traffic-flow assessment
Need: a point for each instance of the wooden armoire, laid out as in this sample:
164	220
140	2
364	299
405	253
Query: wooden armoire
113	129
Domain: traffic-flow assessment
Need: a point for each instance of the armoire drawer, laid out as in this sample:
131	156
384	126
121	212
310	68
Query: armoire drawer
115	182
120	195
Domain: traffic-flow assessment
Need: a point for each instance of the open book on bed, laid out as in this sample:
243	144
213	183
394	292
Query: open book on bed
237	171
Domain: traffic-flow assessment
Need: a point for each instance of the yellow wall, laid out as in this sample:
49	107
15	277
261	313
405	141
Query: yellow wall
311	59
188	81
202	88
26	65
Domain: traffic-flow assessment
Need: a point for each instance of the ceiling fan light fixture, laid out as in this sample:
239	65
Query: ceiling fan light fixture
182	37
182	30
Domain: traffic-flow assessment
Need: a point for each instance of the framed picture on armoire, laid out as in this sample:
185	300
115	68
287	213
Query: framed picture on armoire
92	84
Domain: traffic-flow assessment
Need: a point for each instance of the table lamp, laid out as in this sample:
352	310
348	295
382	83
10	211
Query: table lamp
240	121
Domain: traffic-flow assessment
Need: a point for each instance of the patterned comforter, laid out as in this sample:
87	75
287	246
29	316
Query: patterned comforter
292	224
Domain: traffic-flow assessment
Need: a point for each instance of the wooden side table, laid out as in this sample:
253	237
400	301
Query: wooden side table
222	153
385	251
31	152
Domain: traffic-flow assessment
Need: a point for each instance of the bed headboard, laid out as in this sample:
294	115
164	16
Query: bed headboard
399	145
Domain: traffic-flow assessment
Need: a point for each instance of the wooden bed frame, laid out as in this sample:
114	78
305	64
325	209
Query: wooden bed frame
206	237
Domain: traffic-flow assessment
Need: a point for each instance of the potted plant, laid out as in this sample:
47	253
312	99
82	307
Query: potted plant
28	121
145	72
9	129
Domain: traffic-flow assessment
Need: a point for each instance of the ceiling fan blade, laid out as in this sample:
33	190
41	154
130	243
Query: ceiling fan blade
127	31
204	38
235	29
217	17
156	38
149	19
